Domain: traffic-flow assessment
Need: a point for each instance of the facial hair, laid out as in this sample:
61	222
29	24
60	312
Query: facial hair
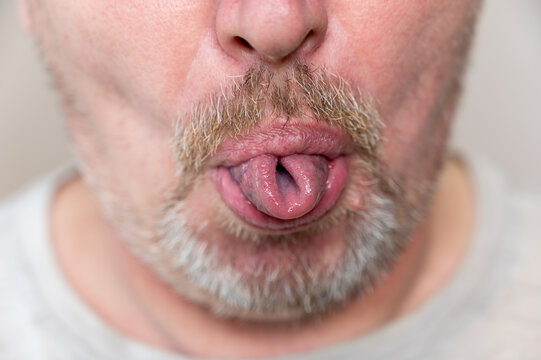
176	248
180	253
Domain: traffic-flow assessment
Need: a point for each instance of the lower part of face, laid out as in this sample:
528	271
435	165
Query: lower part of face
199	246
123	105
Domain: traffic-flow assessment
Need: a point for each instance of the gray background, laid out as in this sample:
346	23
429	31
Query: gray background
500	114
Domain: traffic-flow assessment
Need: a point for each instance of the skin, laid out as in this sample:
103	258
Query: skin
125	69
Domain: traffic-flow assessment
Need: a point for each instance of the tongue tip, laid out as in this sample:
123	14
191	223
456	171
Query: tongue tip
293	212
286	209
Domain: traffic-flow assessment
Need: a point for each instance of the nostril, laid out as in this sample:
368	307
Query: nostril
242	43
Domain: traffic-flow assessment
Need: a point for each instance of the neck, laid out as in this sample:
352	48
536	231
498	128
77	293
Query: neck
122	291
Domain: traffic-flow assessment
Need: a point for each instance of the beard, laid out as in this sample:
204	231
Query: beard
237	272
300	284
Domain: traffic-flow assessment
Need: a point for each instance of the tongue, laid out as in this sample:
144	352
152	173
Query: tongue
285	188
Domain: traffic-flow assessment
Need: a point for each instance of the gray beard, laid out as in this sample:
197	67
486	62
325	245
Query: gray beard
269	294
176	252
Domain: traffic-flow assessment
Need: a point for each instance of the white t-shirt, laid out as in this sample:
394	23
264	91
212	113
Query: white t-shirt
489	309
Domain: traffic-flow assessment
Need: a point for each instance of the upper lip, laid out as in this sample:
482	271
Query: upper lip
282	139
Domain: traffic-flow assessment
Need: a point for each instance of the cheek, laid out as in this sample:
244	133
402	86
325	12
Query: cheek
135	49
127	158
405	54
126	65
388	44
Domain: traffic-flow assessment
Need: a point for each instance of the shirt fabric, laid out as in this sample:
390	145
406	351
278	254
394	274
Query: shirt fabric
489	309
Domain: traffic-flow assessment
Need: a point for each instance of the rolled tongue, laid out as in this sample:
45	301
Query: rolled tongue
285	188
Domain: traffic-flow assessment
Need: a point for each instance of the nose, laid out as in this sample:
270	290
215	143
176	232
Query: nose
273	30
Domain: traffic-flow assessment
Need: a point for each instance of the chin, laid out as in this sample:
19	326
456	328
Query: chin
208	253
276	215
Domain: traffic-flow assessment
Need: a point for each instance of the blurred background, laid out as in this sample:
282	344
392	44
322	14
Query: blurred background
500	114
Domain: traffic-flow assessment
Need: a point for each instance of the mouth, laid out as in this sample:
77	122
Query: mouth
280	179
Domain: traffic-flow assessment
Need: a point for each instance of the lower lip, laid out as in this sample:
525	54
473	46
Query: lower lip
246	211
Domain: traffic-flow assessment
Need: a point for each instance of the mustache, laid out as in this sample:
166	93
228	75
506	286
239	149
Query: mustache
263	93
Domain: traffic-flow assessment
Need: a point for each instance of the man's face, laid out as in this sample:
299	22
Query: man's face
268	159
